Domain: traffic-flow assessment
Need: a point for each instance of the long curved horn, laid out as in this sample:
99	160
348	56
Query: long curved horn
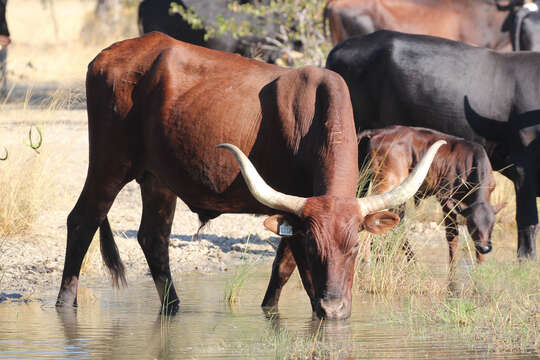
260	189
407	189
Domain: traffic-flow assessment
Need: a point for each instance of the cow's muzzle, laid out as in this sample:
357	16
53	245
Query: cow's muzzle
484	249
334	309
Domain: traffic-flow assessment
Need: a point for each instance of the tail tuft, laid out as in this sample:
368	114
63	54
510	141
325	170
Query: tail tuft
110	255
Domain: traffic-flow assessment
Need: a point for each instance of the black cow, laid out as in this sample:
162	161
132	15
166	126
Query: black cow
4	42
154	15
478	94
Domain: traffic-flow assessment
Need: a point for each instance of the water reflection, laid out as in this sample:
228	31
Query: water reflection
126	324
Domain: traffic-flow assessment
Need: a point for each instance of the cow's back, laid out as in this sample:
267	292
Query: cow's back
177	101
417	80
470	21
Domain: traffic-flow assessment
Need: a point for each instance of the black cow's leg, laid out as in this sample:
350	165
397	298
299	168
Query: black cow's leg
282	268
526	211
159	204
91	210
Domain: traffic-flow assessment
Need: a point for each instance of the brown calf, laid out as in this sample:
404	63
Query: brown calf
460	177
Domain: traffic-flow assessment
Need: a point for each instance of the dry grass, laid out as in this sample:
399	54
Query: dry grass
386	271
26	188
46	68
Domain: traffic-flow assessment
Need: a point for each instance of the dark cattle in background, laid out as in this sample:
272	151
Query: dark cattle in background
460	177
476	22
157	108
4	42
478	94
154	16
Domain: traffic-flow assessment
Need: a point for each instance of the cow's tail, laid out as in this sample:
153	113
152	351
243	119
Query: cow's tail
325	19
520	15
110	255
364	162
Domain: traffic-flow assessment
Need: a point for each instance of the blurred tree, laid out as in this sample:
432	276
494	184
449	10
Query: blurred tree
108	13
110	20
299	22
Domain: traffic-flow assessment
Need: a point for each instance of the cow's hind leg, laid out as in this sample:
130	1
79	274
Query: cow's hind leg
97	196
159	204
282	268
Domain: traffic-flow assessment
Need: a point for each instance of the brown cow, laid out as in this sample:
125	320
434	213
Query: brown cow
157	108
461	177
475	22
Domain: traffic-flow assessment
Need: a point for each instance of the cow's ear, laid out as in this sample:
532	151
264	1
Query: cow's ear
380	222
281	225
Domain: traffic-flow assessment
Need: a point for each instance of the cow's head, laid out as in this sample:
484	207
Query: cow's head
324	229
480	217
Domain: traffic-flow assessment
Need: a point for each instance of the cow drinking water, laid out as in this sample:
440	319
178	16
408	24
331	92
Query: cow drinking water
157	109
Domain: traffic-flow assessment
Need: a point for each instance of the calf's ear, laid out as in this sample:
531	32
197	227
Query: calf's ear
380	222
281	225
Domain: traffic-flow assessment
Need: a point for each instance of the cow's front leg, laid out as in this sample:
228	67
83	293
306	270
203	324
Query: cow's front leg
282	268
526	211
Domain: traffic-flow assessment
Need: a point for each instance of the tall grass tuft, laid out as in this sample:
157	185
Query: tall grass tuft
385	270
497	305
240	275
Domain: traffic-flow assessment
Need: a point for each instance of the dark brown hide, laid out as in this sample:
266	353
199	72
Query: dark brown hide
157	108
475	22
460	177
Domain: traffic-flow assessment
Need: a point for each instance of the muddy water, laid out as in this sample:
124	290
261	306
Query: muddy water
125	324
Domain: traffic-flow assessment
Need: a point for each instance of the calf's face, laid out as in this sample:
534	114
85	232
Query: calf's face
480	221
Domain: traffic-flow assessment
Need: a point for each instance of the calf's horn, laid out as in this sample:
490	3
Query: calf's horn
260	189
407	189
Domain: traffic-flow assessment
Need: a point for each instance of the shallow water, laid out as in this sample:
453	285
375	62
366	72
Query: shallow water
125	324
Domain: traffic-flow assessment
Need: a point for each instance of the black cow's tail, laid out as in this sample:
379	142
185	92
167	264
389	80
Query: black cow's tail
364	162
110	255
520	15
